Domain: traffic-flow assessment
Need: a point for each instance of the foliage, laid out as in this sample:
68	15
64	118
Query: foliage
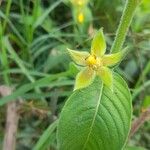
34	36
101	115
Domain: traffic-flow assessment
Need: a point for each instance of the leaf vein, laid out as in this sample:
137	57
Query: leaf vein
117	111
116	127
94	117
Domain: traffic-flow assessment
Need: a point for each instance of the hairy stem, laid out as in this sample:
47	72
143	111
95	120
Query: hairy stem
125	22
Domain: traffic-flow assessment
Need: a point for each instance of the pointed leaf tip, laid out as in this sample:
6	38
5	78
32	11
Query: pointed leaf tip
78	57
98	46
113	59
84	78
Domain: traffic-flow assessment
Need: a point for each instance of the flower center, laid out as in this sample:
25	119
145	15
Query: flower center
93	62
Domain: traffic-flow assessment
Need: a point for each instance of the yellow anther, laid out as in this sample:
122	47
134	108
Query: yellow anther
80	17
91	60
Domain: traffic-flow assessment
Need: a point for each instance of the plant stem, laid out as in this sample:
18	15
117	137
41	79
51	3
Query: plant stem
7	14
124	24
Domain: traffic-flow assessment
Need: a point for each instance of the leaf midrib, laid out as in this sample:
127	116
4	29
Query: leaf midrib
94	117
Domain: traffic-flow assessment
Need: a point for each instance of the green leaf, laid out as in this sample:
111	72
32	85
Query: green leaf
16	58
41	19
44	140
13	27
43	82
95	118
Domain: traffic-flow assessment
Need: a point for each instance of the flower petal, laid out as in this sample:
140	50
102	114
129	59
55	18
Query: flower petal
84	78
98	46
112	59
106	76
79	57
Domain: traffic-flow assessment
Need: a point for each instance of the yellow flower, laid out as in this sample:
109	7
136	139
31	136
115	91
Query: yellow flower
80	17
95	63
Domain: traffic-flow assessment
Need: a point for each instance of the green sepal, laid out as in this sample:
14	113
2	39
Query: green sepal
98	46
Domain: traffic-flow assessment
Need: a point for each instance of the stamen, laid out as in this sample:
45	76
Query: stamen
93	62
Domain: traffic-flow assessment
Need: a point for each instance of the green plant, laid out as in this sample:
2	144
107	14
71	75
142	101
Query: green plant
95	117
35	70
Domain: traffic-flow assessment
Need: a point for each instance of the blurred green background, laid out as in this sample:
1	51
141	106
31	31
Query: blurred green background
34	35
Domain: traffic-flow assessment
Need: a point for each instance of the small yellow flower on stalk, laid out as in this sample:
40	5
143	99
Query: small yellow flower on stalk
95	63
79	3
80	17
